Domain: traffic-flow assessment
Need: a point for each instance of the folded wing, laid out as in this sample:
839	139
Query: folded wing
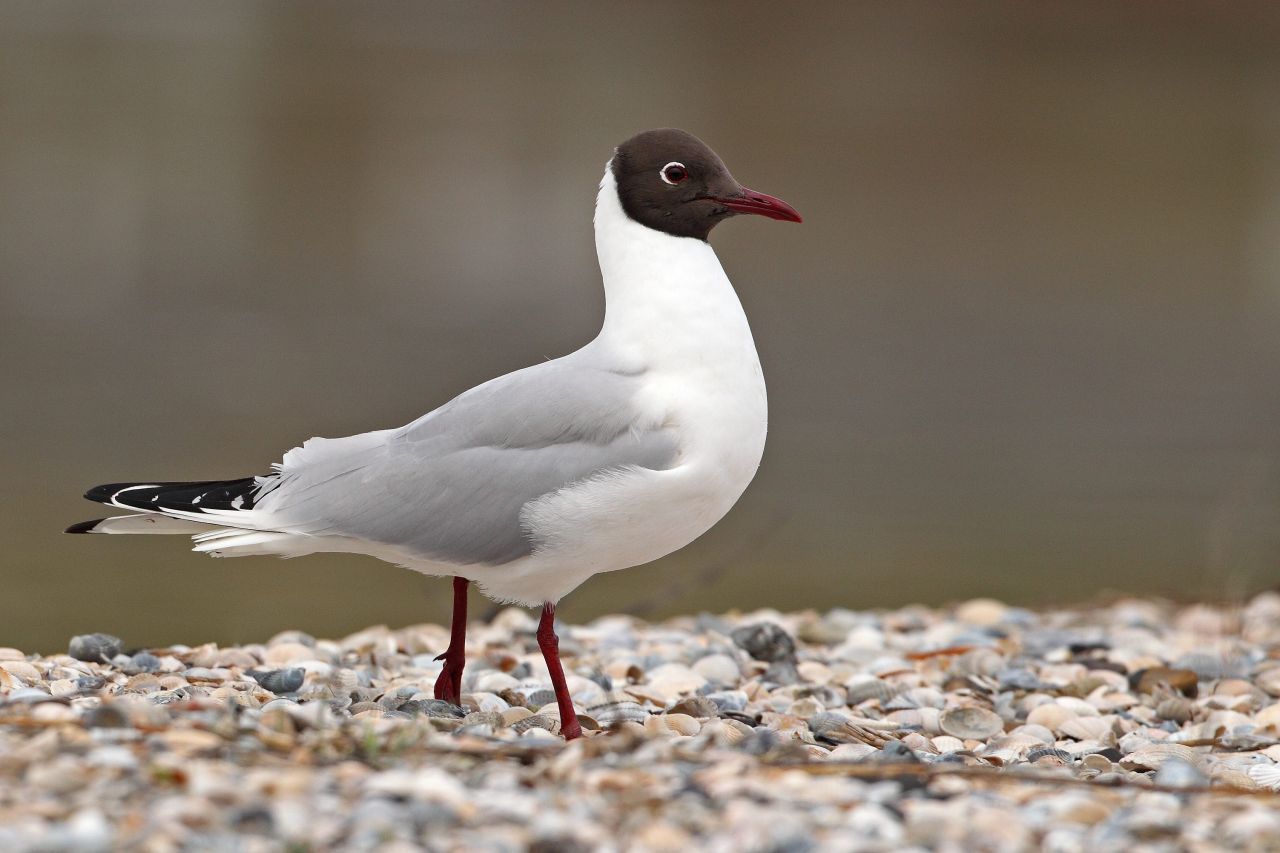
450	486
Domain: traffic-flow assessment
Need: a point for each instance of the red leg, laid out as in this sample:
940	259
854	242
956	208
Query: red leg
550	645
449	682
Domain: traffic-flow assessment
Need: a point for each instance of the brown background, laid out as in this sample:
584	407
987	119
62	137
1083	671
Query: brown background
1027	343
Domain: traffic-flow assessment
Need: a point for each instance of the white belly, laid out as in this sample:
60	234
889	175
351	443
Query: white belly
625	518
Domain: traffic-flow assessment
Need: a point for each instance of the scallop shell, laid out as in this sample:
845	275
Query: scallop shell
1151	757
1050	752
672	724
612	713
725	732
537	721
1088	728
1266	775
971	723
873	688
946	744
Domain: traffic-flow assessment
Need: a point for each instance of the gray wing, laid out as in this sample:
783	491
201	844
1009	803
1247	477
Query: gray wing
450	486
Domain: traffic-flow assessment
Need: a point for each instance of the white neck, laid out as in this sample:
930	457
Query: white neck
666	298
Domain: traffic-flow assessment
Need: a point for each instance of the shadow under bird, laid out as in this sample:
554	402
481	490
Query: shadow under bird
612	456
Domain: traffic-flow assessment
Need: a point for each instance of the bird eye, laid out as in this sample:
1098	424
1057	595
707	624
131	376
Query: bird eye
674	173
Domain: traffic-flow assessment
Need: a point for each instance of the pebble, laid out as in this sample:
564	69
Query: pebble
98	648
718	669
730	733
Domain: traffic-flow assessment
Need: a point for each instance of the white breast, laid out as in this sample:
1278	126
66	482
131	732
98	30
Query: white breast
673	318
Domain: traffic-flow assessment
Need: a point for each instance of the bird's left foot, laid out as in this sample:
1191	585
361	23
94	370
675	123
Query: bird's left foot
449	682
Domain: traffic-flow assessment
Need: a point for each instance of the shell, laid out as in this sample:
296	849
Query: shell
725	732
1268	718
1051	715
1088	728
672	724
537	721
1269	681
945	744
839	729
612	713
1266	775
1163	678
982	661
511	716
971	723
1153	756
865	689
695	706
1179	709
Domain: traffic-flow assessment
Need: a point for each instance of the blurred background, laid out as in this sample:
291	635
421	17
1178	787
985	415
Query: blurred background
1026	344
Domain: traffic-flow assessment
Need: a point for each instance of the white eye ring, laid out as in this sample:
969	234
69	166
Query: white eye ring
662	173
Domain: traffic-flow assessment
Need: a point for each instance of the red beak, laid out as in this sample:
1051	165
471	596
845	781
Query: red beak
751	201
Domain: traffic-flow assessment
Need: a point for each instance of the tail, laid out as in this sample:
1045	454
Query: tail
171	507
218	514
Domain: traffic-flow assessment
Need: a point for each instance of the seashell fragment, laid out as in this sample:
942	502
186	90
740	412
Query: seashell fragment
1156	678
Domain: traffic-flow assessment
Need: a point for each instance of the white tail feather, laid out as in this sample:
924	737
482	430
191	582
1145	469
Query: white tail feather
150	522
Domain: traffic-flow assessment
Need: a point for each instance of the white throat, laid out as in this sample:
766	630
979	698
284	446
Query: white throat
667	299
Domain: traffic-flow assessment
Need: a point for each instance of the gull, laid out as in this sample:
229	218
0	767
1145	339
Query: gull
612	456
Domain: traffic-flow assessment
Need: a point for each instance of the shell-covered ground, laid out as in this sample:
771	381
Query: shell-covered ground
1131	725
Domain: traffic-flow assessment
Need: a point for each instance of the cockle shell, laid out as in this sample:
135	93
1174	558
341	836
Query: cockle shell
672	724
971	723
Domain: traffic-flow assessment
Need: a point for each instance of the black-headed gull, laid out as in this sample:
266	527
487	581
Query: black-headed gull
612	456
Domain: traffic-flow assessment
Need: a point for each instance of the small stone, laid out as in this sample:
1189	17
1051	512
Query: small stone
95	648
280	680
765	641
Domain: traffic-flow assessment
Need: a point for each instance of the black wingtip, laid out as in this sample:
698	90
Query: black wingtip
84	526
102	494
